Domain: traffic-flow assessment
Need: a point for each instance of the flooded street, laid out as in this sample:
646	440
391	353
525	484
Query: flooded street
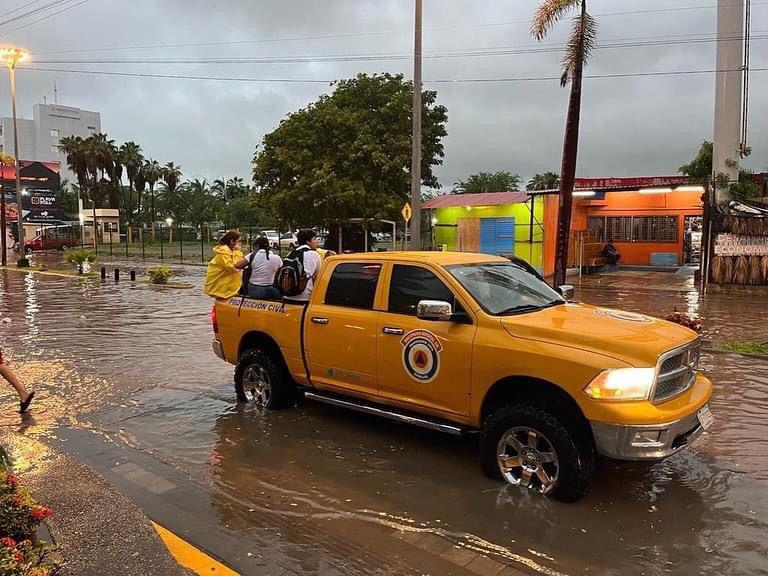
320	490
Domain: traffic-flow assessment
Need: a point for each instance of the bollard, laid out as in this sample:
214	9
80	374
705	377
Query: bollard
133	275
117	275
103	273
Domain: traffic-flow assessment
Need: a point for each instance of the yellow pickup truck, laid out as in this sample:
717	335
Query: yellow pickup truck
465	343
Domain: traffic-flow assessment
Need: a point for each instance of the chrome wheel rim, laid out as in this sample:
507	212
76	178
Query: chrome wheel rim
257	386
527	459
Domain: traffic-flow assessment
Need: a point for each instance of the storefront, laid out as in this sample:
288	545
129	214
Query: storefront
652	221
490	223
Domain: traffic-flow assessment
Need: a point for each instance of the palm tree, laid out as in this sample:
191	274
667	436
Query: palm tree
152	172
580	45
172	196
131	157
545	181
74	149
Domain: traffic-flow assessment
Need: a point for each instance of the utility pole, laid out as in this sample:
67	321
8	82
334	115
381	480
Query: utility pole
415	243
728	92
11	57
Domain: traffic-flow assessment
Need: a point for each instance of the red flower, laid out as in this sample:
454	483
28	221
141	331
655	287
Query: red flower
40	513
8	542
18	557
12	480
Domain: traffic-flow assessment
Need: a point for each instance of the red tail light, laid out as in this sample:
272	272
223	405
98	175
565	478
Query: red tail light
214	323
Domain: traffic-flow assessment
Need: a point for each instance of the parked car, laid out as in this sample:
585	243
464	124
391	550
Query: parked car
289	241
273	236
463	343
43	242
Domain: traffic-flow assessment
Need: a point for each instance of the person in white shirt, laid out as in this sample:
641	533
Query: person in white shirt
308	240
264	265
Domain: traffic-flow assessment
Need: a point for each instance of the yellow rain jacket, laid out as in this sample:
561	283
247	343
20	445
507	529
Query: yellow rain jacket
223	280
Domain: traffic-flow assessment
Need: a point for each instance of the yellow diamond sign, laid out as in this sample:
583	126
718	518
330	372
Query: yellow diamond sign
407	212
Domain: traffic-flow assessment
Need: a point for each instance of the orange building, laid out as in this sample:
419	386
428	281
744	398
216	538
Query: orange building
647	218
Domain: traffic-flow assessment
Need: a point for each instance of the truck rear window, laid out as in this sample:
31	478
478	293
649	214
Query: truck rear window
353	285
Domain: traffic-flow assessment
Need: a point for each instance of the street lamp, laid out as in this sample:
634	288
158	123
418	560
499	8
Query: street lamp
169	221
10	57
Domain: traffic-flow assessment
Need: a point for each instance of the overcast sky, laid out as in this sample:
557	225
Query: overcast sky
642	125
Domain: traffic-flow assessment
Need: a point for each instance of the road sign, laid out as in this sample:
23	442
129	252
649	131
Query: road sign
407	212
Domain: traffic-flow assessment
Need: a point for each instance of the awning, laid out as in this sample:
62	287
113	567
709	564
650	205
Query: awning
483	199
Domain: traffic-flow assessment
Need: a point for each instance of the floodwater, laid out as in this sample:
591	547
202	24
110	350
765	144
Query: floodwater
325	491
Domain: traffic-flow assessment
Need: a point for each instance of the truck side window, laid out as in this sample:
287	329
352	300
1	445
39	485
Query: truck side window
409	284
353	285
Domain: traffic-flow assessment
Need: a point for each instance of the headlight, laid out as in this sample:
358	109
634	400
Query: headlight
622	384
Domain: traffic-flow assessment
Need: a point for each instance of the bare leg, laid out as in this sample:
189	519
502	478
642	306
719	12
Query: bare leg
10	375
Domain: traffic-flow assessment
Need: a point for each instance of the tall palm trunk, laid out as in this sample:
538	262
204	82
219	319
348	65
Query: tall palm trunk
568	167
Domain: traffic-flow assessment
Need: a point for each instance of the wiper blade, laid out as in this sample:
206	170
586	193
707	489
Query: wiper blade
531	307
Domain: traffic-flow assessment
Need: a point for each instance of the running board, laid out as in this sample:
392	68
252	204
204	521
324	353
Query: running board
420	421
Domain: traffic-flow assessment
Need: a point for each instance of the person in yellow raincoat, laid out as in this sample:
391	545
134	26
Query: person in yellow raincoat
224	277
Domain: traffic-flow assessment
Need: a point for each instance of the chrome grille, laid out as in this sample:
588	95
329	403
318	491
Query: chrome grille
677	371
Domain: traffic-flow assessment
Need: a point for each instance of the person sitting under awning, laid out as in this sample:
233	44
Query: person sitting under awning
611	254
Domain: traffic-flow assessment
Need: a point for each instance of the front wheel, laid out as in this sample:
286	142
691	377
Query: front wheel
262	381
528	447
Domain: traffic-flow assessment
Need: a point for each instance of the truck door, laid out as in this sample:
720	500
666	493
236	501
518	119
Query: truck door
424	362
341	328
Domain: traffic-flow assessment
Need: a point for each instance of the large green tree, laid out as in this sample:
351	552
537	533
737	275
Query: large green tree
699	169
580	44
544	181
502	181
348	154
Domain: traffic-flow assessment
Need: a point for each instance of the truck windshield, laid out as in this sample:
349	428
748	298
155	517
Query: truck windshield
503	288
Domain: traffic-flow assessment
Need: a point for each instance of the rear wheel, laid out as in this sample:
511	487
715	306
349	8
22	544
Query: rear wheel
260	380
528	447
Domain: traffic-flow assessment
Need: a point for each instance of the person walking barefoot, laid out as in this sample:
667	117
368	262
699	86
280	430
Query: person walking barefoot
25	398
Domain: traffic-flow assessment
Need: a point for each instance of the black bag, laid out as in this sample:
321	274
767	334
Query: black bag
292	279
247	275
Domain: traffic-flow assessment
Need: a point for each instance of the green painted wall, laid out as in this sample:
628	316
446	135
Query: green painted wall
520	212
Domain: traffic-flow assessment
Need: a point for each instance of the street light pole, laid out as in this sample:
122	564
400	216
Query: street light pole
415	243
11	57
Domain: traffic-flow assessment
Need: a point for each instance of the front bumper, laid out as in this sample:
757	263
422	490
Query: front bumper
218	349
623	442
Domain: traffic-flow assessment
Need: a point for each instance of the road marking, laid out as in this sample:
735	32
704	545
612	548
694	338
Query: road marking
189	556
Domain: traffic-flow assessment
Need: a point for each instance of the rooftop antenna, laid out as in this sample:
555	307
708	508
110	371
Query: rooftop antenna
55	93
45	99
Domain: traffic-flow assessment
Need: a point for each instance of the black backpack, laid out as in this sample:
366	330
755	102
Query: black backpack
292	279
247	275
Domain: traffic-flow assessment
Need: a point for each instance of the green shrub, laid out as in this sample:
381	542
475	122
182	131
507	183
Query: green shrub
159	275
81	258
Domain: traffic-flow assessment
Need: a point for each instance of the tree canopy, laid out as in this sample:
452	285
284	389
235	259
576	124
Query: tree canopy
700	169
544	181
502	181
348	154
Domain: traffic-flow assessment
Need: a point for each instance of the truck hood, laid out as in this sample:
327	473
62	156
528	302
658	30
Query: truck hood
626	336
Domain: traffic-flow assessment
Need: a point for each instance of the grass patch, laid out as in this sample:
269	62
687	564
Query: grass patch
747	347
167	284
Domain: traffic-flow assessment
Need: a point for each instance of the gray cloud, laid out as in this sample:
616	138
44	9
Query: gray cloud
631	126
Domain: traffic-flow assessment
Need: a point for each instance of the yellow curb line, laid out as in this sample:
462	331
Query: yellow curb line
189	556
60	274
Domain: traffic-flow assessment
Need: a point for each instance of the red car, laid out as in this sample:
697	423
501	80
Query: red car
50	242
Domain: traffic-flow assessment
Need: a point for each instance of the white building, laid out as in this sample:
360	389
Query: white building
39	137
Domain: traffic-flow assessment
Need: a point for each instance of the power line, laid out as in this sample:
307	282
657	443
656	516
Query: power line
4	14
363	34
435	81
376	57
54	4
28	24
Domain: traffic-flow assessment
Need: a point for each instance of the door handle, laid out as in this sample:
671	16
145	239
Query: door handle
392	331
319	320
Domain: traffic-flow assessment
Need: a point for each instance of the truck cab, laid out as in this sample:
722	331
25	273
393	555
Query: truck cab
470	343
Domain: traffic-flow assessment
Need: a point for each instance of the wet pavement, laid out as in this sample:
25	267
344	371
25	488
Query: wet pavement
129	385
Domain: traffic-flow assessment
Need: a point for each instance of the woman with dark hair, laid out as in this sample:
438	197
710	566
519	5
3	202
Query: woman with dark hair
223	278
264	267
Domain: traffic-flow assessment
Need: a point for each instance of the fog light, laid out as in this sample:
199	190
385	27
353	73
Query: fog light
646	437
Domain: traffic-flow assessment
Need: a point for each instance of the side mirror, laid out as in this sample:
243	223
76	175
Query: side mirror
566	291
434	310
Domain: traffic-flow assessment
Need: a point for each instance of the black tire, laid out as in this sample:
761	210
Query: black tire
281	389
575	457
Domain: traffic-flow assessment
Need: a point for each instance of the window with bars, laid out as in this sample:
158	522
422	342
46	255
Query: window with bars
634	228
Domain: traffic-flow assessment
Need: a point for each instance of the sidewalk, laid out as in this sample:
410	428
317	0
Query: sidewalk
95	528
